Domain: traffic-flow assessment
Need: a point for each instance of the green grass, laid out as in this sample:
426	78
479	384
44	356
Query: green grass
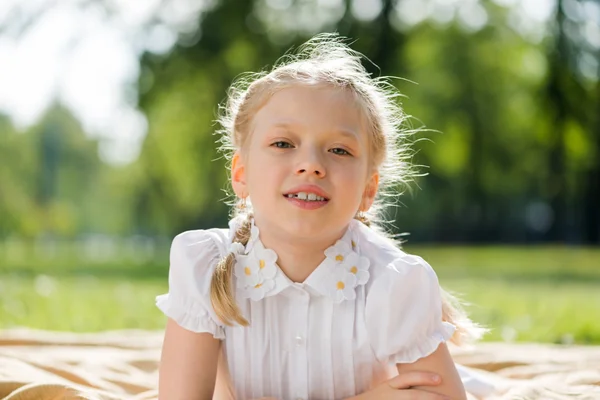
543	312
544	294
80	304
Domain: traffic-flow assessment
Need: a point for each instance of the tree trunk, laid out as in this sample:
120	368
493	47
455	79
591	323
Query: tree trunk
591	199
556	185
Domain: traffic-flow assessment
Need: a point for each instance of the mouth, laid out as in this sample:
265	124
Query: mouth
308	194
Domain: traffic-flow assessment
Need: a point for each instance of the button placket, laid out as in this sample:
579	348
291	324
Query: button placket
299	348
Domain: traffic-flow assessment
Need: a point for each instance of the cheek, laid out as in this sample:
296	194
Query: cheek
352	178
263	173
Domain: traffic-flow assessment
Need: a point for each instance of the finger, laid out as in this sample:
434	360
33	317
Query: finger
414	378
413	394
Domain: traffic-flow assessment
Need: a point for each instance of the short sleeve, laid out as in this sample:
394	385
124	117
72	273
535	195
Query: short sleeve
193	258
404	312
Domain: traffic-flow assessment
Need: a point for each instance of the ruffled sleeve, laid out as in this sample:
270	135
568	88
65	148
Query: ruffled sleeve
404	312
193	258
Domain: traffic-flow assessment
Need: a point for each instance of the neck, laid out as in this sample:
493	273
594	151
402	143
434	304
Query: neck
297	256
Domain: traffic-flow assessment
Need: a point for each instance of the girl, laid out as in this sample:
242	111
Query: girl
303	297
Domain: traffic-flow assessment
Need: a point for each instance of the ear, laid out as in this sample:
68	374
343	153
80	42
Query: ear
238	176
370	192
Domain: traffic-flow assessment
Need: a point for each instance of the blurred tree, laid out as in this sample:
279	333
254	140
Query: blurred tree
572	108
16	172
591	202
513	149
557	81
48	176
184	178
474	89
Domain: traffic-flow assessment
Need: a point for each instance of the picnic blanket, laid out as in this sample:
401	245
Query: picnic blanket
123	365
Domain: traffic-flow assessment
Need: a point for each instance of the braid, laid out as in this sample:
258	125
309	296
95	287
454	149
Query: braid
221	293
362	217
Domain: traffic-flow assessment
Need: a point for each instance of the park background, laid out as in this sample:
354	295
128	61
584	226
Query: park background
107	148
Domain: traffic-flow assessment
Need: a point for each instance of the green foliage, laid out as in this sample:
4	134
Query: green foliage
512	128
48	177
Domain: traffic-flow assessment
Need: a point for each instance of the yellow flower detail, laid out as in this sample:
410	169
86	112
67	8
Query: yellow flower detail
340	285
261	264
248	271
339	258
354	270
259	285
353	245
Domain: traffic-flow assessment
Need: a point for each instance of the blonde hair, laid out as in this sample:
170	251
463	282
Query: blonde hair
326	60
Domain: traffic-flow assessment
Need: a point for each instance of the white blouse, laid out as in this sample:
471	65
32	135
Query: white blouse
366	307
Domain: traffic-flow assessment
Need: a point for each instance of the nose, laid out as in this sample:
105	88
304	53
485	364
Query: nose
310	163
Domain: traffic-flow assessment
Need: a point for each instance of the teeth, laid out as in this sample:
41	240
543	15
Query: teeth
306	196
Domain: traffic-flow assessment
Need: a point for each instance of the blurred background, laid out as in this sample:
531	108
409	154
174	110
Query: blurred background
107	148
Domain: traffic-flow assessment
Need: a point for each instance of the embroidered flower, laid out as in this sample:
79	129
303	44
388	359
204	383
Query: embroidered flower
246	271
348	270
259	291
236	248
266	260
256	271
338	252
358	266
342	286
258	276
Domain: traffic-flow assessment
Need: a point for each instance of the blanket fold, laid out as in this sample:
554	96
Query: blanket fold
123	365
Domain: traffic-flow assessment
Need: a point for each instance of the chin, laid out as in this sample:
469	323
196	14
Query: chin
311	227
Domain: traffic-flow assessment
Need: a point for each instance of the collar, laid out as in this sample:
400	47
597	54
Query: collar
257	274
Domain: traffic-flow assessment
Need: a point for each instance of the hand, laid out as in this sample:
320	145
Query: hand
399	388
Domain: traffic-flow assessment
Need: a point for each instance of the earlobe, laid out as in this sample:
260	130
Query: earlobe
238	175
370	192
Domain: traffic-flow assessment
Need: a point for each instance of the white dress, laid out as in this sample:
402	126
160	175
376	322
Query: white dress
366	307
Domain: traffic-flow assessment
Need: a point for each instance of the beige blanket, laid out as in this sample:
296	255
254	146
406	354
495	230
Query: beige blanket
123	365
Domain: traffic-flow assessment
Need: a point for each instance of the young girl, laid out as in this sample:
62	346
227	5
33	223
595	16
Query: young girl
304	297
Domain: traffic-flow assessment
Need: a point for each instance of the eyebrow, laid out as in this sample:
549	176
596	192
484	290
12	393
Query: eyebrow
344	132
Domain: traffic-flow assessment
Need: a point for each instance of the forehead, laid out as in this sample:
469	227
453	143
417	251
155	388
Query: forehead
319	108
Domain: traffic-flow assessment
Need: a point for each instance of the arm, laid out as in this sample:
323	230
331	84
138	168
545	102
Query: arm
405	325
439	362
188	365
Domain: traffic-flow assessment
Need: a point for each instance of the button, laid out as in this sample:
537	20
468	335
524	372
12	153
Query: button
299	340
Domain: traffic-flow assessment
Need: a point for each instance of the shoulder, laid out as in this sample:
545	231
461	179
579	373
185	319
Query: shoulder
389	264
403	303
193	258
200	243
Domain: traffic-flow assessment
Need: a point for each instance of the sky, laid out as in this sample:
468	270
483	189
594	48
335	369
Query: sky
85	53
86	59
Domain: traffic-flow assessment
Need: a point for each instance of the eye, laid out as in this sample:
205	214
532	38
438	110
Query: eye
340	152
282	145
